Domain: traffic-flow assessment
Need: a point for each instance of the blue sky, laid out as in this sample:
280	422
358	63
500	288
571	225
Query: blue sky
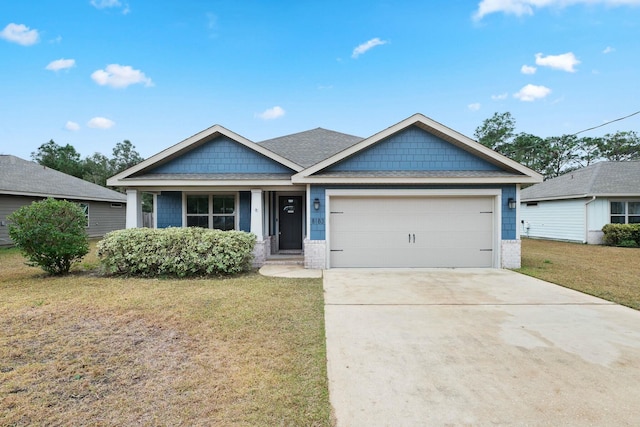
92	73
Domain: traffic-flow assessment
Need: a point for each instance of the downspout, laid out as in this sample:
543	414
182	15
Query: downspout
586	219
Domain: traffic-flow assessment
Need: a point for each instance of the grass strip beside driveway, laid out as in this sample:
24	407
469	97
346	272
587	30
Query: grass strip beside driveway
603	271
90	350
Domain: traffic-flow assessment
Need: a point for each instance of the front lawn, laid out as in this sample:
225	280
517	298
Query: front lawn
607	272
90	350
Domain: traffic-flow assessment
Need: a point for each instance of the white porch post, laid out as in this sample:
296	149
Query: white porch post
256	214
134	209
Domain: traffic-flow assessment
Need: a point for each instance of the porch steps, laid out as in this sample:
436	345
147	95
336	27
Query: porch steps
285	259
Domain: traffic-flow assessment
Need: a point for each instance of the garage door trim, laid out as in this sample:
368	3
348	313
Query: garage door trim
454	193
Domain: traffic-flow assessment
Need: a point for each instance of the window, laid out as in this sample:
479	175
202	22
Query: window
211	211
625	212
116	205
85	209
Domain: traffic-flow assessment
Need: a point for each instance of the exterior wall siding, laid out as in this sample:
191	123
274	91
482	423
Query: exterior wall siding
413	149
555	219
102	217
169	209
508	220
221	155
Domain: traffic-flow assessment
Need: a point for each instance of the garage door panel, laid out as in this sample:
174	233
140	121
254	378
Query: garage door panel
411	232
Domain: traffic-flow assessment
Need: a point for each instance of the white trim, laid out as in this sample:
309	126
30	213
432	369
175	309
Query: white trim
581	196
62	196
432	127
496	193
299	179
216	130
309	207
136	183
155	210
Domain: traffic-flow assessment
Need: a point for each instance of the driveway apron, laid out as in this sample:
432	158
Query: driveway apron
416	347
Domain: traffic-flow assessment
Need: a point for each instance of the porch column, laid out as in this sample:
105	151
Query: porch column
134	209
257	214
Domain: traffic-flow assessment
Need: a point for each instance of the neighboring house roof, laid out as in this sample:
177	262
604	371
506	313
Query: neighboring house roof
614	179
312	146
20	177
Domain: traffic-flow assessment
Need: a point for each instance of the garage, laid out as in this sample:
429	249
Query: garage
412	231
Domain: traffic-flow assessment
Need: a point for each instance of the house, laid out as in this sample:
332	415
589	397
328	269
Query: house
23	182
416	194
575	206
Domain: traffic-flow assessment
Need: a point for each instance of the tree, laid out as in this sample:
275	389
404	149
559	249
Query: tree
588	150
496	131
620	146
124	156
527	149
97	168
51	234
559	156
64	159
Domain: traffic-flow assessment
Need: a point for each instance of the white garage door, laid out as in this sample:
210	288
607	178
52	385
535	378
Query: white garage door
411	231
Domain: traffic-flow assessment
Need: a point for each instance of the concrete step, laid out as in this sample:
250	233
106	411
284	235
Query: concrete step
284	260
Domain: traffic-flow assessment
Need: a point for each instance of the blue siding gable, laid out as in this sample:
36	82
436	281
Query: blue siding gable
412	149
222	155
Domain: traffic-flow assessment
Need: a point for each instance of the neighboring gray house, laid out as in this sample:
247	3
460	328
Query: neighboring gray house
416	194
575	206
22	182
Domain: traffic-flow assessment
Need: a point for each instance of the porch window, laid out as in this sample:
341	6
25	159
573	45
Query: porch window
211	211
625	212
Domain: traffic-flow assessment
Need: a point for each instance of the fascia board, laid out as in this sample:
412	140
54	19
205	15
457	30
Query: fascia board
63	196
406	180
204	183
582	196
430	126
117	180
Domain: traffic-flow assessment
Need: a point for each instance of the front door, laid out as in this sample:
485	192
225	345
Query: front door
290	222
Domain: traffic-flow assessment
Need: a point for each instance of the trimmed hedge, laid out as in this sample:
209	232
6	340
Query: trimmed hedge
627	235
176	252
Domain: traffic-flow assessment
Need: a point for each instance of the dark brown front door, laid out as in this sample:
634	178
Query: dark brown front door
290	222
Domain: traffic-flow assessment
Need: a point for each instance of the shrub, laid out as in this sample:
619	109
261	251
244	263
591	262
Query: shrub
627	235
176	252
50	234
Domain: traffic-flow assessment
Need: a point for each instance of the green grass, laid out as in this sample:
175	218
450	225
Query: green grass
607	272
90	350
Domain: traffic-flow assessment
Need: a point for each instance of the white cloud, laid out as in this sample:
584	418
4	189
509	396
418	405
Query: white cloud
474	107
105	4
60	64
500	96
532	92
21	34
271	113
364	47
100	123
526	7
564	62
120	76
608	49
72	126
528	69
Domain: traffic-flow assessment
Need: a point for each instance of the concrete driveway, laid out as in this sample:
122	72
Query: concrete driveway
476	347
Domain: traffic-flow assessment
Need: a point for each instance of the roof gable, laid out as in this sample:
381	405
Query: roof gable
400	139
23	178
600	179
202	138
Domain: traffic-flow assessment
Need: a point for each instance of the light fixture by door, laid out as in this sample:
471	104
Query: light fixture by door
316	203
512	203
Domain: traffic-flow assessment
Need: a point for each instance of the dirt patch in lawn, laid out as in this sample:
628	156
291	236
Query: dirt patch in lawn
607	272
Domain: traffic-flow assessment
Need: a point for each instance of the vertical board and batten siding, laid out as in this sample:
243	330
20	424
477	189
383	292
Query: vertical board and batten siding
555	219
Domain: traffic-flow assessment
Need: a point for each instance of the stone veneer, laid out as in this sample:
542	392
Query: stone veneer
260	252
511	252
315	254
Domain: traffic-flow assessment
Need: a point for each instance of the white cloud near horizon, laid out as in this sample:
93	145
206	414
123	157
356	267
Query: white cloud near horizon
100	123
120	76
527	7
565	62
20	33
474	107
608	49
271	113
500	96
61	64
72	126
531	92
107	4
366	46
528	69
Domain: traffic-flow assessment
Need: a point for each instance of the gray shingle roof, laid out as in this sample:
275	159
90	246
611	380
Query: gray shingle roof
600	179
310	147
21	177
